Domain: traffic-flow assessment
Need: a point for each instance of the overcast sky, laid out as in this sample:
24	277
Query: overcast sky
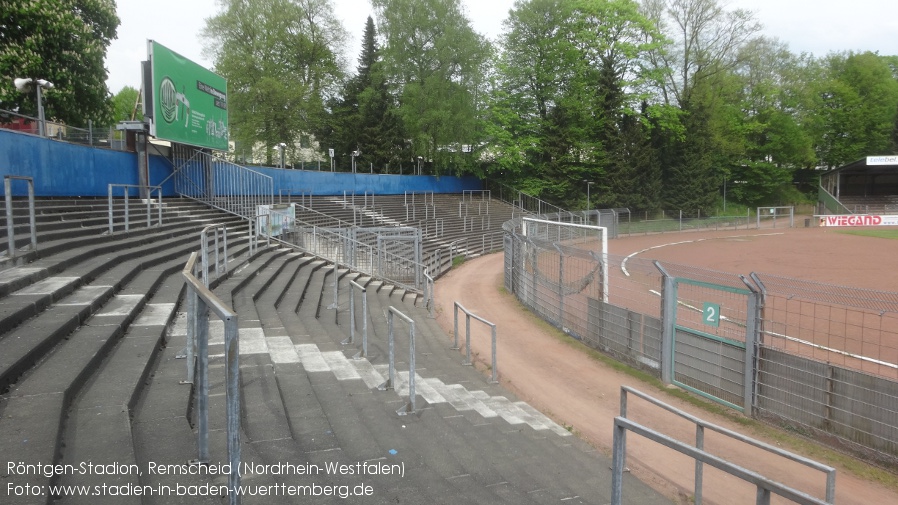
817	27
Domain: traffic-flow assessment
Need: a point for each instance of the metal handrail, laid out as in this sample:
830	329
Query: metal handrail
220	266
10	221
390	383
353	285
702	457
468	316
202	301
127	204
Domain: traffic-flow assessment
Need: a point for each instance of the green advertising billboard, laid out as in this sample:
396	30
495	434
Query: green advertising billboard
190	103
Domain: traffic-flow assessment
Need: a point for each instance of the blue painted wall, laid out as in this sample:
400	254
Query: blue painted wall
63	169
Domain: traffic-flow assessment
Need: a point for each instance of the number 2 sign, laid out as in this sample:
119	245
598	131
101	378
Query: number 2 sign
711	314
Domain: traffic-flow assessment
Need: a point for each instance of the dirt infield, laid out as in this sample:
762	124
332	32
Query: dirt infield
818	254
561	379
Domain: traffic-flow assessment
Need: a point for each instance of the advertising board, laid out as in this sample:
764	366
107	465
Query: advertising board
190	103
859	220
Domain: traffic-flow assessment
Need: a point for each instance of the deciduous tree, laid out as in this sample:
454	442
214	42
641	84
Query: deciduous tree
281	58
65	43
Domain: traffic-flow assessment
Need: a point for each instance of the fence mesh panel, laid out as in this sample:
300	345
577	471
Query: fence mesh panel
827	356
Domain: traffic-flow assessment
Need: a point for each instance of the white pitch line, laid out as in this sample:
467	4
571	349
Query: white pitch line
623	264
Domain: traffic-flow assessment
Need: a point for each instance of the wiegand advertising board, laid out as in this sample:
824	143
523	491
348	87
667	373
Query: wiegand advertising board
190	103
859	220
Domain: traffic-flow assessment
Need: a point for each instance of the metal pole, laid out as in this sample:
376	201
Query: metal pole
127	219
467	361
232	351
699	467
495	377
619	448
10	224
389	383
109	200
455	345
42	122
202	380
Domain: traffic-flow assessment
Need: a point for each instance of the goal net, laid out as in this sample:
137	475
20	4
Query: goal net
584	246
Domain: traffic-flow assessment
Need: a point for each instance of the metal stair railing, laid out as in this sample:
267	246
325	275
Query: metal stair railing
220	183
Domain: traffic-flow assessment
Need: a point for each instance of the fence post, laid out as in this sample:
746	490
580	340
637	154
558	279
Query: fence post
752	332
668	322
560	284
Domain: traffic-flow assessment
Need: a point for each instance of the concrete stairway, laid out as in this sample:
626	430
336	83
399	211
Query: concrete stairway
307	400
80	329
89	341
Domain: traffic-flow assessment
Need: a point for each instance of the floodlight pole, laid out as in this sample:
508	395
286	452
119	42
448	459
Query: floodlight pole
21	85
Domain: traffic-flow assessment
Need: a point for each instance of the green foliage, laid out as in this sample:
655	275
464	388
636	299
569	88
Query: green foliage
127	107
435	63
364	118
887	234
759	183
856	106
65	43
281	58
565	102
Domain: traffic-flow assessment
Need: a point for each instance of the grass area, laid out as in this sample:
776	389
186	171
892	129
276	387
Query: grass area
888	233
780	436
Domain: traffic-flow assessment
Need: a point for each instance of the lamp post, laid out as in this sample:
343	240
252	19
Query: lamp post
281	147
22	84
588	184
419	164
355	155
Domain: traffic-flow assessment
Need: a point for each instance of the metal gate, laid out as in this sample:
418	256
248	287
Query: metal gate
713	341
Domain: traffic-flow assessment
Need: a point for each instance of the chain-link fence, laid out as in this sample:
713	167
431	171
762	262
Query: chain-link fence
819	359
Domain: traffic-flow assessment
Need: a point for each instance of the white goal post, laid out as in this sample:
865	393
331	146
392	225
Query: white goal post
570	234
767	213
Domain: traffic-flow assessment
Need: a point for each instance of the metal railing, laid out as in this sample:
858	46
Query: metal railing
100	136
390	383
765	485
494	378
126	205
353	285
200	301
221	263
525	202
219	183
10	218
428	293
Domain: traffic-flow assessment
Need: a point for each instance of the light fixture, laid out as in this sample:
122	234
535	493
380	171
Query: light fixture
24	85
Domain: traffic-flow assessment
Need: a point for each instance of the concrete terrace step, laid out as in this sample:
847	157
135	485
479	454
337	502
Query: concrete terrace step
99	423
71	302
49	389
32	289
52	259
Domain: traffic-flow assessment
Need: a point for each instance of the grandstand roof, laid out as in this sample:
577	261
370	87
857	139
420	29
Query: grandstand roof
868	165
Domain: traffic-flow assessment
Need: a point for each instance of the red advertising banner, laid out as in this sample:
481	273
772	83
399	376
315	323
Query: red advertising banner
859	220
